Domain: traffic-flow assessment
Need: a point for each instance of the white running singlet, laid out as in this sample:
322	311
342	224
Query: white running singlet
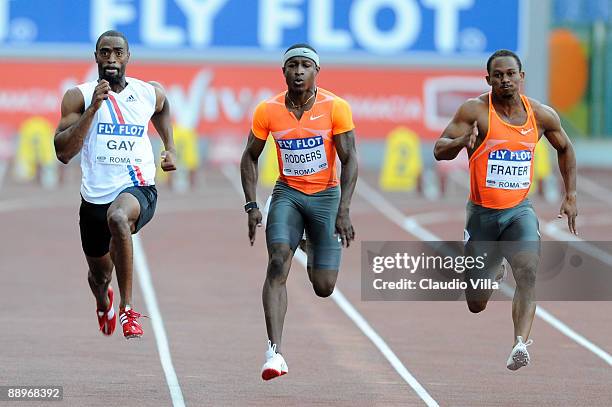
117	152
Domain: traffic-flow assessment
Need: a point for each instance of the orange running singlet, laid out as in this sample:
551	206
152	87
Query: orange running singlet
305	148
501	168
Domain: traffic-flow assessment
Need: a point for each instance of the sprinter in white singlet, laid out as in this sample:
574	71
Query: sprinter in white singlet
107	121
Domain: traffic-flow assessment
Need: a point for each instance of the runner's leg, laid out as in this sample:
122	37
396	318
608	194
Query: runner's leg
284	230
524	260
324	246
274	295
122	216
99	278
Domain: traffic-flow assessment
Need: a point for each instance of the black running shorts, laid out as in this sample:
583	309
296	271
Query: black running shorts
95	234
292	212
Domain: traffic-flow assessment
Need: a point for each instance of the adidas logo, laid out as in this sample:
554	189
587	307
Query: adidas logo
131	98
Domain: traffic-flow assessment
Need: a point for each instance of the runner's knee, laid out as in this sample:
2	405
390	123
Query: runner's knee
324	289
525	277
524	269
477	306
323	282
278	264
118	221
99	277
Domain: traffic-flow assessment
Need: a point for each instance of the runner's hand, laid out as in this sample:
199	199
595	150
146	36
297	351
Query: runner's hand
569	208
167	161
254	223
100	94
469	140
344	228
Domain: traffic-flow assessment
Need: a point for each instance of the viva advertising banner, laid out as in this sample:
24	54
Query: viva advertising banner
391	30
217	100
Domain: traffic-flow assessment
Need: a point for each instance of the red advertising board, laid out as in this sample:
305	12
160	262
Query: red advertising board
217	100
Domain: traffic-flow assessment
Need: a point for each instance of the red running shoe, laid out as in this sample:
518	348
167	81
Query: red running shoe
107	320
131	327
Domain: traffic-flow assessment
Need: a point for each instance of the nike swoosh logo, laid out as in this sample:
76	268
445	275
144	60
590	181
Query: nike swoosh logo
523	131
316	117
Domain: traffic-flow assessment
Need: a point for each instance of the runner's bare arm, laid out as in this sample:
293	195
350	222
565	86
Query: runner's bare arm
556	135
162	121
73	125
248	166
345	146
461	132
248	175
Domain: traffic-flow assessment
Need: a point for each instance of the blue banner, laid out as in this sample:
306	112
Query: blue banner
354	28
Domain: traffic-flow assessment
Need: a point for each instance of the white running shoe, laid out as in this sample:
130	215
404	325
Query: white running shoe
275	365
519	356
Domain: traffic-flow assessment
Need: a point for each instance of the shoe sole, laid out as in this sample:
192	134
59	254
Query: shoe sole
269	374
132	336
520	359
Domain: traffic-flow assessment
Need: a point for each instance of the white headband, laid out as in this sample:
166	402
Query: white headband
301	52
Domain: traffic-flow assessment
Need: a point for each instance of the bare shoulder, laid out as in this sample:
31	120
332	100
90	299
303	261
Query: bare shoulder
73	94
472	108
159	89
544	114
73	101
479	102
160	95
157	85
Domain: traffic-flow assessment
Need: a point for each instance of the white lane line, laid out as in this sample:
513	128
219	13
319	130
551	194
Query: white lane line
597	220
436	217
552	230
232	174
146	285
148	292
410	225
595	190
413	224
373	336
567	331
389	211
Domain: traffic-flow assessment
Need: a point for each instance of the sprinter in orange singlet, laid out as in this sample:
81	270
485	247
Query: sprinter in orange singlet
500	130
310	126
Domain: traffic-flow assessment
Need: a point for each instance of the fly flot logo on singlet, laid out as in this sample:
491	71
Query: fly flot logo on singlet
303	156
119	143
507	169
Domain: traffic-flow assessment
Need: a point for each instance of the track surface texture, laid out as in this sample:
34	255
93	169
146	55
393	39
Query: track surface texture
207	281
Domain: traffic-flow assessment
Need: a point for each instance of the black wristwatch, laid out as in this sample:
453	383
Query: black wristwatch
250	205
